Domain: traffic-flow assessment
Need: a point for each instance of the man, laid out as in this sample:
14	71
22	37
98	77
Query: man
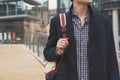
90	53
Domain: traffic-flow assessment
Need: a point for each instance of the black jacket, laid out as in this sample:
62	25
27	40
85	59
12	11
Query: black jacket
101	50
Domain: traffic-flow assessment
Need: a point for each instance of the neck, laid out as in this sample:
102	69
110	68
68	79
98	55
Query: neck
80	9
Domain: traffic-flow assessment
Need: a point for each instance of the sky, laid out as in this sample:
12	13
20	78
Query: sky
52	3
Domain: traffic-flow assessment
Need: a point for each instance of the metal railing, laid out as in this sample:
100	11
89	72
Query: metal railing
19	12
36	41
111	5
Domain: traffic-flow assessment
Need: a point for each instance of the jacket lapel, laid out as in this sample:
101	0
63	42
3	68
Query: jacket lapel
70	29
91	29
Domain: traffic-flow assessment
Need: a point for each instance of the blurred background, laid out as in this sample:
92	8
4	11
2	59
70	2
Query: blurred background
27	21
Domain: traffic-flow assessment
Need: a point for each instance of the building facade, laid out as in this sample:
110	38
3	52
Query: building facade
63	5
18	16
110	8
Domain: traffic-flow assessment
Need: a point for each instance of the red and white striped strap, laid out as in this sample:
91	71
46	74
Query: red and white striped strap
63	23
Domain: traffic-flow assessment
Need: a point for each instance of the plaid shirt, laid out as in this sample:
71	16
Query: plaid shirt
81	35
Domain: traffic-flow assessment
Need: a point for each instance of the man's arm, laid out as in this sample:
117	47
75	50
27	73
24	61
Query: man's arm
50	50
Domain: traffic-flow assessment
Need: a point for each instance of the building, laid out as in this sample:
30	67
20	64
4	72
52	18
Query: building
18	16
63	5
112	8
44	11
107	7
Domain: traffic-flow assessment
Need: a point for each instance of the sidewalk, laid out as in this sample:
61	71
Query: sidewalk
17	63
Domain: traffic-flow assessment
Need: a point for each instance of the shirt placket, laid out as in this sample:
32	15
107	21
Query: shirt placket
81	38
83	53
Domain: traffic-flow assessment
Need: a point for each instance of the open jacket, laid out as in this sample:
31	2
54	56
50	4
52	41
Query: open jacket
101	50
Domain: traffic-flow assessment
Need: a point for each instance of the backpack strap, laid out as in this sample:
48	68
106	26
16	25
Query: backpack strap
63	23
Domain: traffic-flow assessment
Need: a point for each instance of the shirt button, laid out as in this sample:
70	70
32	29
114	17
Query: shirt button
82	54
82	43
81	33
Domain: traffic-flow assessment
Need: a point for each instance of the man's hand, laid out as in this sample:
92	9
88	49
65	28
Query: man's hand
62	44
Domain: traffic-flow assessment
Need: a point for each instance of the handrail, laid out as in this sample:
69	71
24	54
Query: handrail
19	12
36	41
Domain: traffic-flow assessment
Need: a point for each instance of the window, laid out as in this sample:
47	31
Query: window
63	5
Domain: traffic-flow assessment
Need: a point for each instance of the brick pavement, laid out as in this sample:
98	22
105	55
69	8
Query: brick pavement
17	63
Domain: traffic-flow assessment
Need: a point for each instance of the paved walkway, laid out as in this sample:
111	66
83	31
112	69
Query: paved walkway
17	63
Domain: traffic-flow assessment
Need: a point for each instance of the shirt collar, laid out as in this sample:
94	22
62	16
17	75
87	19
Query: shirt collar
87	17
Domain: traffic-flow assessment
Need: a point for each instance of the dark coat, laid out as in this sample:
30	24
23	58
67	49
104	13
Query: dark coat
101	50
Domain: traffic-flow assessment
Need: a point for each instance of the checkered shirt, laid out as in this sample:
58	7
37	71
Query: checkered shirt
81	35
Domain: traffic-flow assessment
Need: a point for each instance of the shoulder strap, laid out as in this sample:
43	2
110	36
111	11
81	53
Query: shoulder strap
63	23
